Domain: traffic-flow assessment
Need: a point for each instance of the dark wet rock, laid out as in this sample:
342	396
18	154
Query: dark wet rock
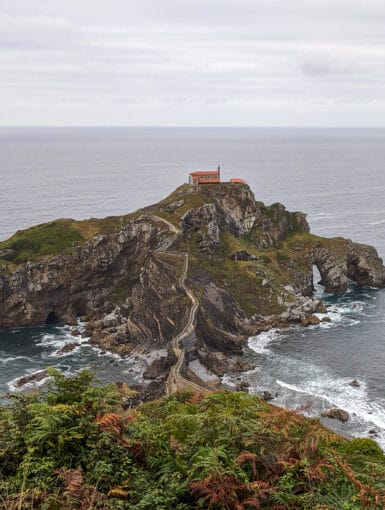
355	383
267	395
336	414
160	367
67	348
75	332
243	386
242	366
373	431
326	319
31	378
310	320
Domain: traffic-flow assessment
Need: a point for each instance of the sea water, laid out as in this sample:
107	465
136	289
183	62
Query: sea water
337	176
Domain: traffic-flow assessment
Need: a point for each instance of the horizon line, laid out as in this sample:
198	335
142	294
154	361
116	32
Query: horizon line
184	126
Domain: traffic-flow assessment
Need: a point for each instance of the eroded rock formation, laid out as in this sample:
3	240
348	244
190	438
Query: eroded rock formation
249	265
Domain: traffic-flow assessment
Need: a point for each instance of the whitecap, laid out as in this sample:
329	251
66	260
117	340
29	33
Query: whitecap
228	380
13	384
14	358
260	342
339	393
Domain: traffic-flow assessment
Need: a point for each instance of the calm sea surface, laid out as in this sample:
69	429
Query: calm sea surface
337	176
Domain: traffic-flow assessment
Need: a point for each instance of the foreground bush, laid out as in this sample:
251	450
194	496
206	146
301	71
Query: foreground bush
80	446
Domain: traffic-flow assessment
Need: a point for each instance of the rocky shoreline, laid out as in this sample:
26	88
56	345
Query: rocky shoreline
250	269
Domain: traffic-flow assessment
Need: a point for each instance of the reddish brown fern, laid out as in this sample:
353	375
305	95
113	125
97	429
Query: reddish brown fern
110	422
248	458
368	495
73	481
230	493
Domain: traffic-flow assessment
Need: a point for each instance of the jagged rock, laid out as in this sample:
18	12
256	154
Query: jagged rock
160	367
174	205
358	262
67	349
336	414
75	332
242	366
267	395
243	386
355	383
310	320
32	378
124	282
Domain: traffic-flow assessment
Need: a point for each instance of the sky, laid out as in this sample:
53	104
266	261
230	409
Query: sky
192	63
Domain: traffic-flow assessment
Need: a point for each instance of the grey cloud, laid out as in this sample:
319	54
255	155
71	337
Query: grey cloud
329	65
267	59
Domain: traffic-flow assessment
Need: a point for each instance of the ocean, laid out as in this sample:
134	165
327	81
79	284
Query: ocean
336	176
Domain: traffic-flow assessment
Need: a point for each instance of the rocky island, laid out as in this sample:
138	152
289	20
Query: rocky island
194	275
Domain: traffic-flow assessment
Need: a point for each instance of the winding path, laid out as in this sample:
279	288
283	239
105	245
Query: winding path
175	381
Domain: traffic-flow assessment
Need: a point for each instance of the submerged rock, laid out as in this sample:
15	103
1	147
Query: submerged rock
67	348
355	383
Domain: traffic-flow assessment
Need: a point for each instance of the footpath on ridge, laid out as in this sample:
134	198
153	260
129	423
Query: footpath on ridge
175	381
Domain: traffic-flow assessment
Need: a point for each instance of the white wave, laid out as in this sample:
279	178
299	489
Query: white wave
228	380
340	394
50	339
14	358
58	341
260	342
14	385
342	314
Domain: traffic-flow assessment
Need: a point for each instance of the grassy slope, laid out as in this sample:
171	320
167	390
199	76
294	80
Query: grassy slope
75	447
55	237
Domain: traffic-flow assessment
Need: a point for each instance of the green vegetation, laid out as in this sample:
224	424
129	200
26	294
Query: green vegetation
40	240
55	237
79	446
189	198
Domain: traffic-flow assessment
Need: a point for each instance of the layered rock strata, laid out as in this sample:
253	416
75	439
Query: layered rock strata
250	267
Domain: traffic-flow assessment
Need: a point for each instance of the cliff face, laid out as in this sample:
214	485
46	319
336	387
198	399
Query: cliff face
120	280
250	266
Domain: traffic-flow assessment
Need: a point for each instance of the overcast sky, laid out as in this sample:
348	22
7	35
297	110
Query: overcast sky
196	62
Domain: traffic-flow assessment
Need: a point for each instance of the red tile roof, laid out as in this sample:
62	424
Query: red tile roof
205	172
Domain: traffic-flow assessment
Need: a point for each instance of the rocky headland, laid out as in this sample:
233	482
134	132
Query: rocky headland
208	266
